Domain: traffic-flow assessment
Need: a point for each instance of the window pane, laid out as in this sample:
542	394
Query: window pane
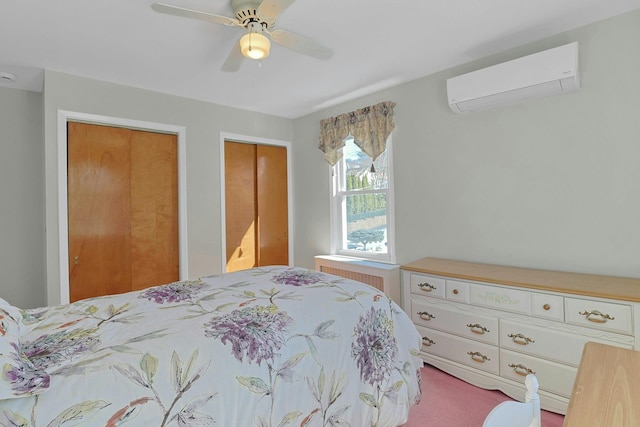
358	175
360	208
366	228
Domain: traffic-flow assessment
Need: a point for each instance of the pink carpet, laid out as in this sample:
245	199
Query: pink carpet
450	402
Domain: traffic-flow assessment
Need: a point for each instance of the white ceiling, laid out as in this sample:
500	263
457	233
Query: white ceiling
376	43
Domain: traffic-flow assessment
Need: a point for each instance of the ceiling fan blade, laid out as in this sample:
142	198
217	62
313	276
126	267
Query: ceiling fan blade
301	44
196	14
271	9
234	60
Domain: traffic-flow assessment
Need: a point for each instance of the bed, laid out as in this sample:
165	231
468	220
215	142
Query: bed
270	346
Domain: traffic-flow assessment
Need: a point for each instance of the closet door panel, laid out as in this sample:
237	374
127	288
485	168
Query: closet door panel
98	210
240	205
154	209
273	228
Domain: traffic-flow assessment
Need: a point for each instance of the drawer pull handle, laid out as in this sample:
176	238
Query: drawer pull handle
547	307
476	356
521	369
520	339
425	315
477	329
427	341
600	317
427	287
456	292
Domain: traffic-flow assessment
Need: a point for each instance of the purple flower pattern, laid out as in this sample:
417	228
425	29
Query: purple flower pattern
294	277
374	347
255	332
24	377
51	350
173	292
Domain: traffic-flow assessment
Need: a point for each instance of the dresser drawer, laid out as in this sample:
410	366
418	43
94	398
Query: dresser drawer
501	298
602	315
457	291
427	285
559	346
553	377
464	323
467	352
547	306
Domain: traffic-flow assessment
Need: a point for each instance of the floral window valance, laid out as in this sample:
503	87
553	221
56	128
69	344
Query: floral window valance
369	126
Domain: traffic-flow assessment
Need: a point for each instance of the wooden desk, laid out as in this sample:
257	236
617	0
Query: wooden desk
606	392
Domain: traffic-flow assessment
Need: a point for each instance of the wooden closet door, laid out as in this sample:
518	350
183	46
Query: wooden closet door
99	205
154	209
240	205
273	209
256	205
122	209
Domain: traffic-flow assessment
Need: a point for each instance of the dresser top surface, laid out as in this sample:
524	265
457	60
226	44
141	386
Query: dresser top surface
622	288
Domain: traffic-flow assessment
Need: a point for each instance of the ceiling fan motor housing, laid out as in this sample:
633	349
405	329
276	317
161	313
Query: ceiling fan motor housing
246	11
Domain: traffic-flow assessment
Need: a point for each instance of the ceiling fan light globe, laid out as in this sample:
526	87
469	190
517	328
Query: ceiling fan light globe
255	46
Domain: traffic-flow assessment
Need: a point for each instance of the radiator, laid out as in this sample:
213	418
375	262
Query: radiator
384	277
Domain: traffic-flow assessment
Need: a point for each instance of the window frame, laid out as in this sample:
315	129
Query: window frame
338	213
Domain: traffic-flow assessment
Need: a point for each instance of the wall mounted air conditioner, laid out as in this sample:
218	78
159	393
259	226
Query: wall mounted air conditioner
544	73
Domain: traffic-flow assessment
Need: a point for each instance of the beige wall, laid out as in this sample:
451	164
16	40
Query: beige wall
22	255
204	122
551	183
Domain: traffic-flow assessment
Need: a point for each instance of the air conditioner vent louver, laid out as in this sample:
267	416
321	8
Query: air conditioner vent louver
541	74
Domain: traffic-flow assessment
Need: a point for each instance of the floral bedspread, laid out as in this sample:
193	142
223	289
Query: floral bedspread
271	346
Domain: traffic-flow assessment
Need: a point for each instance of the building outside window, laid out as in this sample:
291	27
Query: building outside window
362	205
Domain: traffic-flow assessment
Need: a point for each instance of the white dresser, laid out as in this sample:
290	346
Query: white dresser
490	325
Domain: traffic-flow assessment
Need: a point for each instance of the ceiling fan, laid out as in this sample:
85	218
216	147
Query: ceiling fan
257	18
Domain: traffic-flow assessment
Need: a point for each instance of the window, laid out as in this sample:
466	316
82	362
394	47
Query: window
362	205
